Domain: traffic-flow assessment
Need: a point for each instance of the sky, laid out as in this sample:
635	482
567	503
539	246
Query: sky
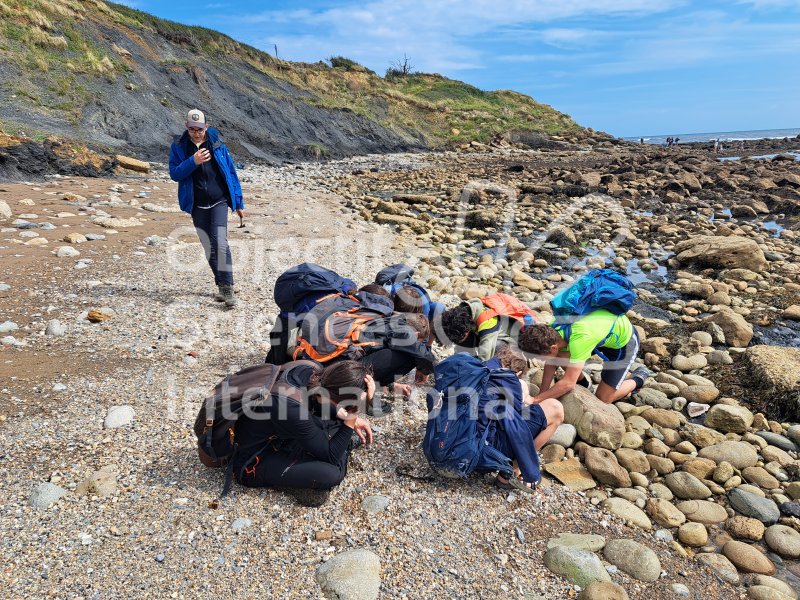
627	67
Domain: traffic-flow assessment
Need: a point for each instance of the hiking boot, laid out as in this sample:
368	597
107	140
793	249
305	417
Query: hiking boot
219	295
642	374
309	497
228	295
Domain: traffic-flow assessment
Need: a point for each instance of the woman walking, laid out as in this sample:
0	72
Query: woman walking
207	187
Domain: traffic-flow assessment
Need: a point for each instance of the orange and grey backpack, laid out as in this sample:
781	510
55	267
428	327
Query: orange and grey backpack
238	394
503	305
339	326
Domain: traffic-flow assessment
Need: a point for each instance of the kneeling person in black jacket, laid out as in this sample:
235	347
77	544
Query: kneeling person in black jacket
304	446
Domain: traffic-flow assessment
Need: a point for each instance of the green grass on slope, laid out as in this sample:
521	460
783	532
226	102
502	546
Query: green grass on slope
57	46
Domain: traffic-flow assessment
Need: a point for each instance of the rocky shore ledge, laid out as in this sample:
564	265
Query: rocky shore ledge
110	337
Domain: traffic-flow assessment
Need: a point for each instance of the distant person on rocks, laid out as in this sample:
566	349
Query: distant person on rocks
207	187
641	141
613	337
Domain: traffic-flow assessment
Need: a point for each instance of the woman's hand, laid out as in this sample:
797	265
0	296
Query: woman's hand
363	430
240	212
404	389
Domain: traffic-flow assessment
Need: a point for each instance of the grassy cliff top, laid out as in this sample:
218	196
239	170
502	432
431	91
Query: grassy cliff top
69	49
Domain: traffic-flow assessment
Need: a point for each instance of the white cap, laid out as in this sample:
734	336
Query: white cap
195	118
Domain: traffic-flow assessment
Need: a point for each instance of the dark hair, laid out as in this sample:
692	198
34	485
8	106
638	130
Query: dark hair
512	360
374	288
407	299
341	382
456	324
420	324
537	339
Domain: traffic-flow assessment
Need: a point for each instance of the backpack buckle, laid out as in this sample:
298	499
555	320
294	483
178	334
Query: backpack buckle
209	422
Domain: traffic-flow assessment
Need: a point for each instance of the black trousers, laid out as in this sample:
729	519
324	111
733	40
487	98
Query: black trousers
291	470
389	365
211	225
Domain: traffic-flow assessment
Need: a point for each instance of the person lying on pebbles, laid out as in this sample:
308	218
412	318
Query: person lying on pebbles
304	446
612	337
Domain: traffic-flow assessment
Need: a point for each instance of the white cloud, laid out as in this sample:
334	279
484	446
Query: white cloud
438	35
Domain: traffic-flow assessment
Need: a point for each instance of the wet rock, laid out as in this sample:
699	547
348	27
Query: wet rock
45	494
783	540
721	566
775	584
762	592
351	575
633	558
747	558
739	454
729	418
778	440
750	505
579	567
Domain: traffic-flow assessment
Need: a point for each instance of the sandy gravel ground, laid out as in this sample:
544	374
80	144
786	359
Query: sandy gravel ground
167	342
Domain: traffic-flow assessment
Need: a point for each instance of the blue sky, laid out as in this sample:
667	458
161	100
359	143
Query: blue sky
628	67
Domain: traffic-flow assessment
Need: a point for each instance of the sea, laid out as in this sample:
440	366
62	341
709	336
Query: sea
722	136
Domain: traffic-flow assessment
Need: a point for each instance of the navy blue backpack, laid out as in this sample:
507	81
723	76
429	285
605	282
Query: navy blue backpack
393	277
452	444
300	282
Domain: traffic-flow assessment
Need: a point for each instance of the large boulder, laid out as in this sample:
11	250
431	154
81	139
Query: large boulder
775	371
739	454
598	424
736	330
722	252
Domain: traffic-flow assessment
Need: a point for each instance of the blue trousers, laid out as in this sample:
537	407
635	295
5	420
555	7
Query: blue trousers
211	225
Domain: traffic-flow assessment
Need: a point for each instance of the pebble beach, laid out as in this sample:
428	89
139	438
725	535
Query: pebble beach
110	337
